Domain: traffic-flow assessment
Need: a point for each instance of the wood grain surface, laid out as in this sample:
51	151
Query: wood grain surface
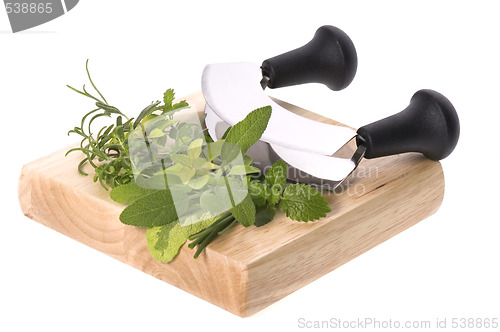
246	269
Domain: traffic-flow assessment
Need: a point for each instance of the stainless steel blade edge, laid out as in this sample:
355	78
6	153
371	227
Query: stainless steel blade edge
306	167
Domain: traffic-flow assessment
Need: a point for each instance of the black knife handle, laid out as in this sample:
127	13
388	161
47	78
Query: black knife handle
428	125
329	58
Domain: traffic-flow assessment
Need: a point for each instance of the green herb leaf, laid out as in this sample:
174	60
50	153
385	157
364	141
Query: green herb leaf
264	214
276	176
198	182
179	105
248	131
276	180
303	203
128	193
274	195
155	209
164	242
244	212
259	193
211	203
145	112
243	170
168	98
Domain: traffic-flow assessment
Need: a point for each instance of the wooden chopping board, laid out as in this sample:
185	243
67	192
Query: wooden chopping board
246	269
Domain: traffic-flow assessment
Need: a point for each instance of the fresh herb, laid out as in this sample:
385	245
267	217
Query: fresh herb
264	214
217	179
156	209
247	132
181	185
107	149
164	242
300	202
303	203
128	193
276	180
106	152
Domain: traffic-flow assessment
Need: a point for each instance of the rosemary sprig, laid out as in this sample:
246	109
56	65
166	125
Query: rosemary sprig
107	152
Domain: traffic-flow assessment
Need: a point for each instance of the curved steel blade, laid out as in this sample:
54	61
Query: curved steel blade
306	167
232	90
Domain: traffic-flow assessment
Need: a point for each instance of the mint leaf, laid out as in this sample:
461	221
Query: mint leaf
164	242
303	203
155	209
264	214
276	180
274	195
128	193
259	193
244	212
248	131
276	176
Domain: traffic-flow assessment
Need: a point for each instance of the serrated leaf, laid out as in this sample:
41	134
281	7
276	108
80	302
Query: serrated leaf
128	193
244	212
303	203
248	131
274	195
168	98
164	242
180	105
259	193
264	214
276	177
155	209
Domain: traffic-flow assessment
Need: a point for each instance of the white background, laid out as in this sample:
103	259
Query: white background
446	266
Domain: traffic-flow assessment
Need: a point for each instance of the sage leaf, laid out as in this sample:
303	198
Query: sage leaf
244	212
164	242
248	131
155	209
128	193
